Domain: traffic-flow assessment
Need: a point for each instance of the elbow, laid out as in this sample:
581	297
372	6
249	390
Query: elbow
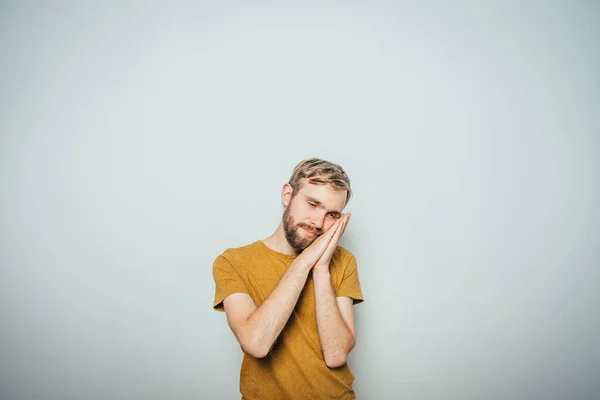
339	359
256	351
335	361
254	348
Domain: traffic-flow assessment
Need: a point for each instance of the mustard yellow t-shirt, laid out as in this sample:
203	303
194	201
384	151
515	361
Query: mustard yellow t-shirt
294	368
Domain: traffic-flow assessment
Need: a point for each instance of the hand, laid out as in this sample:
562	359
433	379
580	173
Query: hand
313	253
323	262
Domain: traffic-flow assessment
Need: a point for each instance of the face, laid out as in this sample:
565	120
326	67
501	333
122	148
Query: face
310	213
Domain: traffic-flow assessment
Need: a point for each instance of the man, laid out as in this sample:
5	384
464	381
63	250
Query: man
288	298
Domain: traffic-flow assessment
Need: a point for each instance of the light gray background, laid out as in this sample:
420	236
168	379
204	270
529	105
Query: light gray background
140	140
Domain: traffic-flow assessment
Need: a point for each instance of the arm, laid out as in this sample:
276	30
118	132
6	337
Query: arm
256	329
335	320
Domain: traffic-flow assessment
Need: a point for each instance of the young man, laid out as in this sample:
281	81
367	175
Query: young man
288	298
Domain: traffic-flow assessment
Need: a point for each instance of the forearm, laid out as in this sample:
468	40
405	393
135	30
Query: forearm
334	334
266	323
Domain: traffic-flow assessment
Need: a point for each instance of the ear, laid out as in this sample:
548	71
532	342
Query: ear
286	194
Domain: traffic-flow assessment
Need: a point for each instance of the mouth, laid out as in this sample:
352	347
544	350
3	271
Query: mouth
310	233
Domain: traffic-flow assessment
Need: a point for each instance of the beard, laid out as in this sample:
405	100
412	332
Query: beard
293	234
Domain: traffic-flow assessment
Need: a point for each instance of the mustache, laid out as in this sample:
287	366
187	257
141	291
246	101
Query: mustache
312	229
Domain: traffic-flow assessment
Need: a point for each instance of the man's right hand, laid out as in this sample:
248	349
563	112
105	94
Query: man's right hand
309	257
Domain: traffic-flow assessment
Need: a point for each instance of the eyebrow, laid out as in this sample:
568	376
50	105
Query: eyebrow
318	203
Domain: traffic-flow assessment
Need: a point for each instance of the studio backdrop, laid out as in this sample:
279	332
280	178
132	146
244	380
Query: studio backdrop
139	140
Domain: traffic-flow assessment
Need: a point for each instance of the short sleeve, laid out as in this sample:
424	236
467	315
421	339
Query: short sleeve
350	285
227	281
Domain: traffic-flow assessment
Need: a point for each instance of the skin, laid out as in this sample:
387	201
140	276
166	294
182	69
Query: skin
315	219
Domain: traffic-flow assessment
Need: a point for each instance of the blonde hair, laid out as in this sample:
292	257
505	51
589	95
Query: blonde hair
320	172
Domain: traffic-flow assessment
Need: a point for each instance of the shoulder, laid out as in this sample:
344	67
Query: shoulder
240	251
341	259
237	255
343	255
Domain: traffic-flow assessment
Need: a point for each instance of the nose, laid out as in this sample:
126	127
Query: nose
318	220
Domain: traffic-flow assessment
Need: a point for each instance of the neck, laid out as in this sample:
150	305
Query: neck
278	242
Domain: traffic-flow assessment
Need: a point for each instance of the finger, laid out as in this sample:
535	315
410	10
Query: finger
343	219
332	229
331	246
341	228
346	222
325	238
338	232
327	233
335	229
